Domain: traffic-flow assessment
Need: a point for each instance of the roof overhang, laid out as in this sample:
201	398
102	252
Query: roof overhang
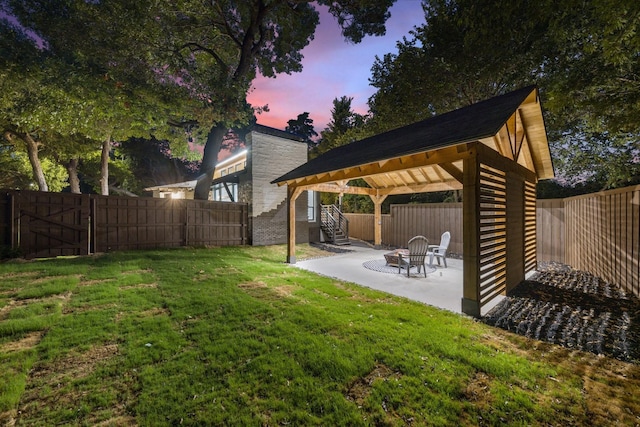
230	178
185	185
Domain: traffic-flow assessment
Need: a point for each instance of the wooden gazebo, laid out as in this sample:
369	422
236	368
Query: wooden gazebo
495	150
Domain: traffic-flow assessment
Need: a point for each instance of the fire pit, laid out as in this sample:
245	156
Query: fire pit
392	258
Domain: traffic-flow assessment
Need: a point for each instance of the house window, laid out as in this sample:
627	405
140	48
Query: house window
220	193
311	206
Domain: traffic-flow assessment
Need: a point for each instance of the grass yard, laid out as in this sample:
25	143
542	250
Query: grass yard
234	336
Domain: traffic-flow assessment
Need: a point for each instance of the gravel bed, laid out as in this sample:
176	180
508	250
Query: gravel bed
574	309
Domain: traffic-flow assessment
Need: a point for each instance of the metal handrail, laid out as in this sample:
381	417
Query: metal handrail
333	219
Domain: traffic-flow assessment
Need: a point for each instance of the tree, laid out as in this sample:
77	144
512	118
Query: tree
467	51
592	90
594	72
16	169
343	119
84	72
302	126
152	162
583	56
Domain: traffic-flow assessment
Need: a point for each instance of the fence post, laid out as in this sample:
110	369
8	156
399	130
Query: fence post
15	233
244	223
90	227
186	224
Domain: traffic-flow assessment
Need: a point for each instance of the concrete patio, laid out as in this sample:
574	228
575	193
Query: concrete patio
441	288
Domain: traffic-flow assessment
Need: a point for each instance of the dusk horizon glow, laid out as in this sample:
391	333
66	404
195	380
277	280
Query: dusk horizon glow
332	68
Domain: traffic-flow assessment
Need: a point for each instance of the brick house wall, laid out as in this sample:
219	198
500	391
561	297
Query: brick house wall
272	153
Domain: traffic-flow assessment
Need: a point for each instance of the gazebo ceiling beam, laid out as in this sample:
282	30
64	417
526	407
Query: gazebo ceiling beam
333	188
497	140
526	148
370	181
438	172
400	178
422	188
503	142
452	170
412	174
425	175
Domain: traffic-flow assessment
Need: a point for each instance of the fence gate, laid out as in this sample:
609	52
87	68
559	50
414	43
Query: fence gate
49	224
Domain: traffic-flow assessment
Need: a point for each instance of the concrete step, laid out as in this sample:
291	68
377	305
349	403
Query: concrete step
341	242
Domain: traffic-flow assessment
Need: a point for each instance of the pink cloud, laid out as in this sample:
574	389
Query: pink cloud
332	68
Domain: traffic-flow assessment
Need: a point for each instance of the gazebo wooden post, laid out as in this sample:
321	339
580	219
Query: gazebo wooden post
377	219
292	196
471	232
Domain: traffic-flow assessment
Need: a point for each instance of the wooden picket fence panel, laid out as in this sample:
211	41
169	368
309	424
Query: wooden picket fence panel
405	221
598	232
602	235
550	230
41	224
361	226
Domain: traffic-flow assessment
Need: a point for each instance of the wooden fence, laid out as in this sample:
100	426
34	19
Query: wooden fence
406	221
598	232
602	235
40	224
550	230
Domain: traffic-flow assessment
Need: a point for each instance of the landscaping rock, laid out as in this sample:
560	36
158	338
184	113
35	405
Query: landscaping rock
574	309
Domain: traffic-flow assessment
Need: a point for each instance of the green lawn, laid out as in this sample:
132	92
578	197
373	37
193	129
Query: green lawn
234	336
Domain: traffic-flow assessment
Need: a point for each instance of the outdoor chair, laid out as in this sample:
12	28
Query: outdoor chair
440	251
418	247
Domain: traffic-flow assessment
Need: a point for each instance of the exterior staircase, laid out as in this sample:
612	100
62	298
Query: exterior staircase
334	225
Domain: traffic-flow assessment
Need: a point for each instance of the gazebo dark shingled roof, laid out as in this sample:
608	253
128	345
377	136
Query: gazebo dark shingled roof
477	121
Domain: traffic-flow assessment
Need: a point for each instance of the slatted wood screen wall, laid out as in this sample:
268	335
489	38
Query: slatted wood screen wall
493	233
530	227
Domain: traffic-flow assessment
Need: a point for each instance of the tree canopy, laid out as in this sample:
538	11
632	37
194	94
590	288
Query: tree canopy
302	126
342	127
582	55
80	80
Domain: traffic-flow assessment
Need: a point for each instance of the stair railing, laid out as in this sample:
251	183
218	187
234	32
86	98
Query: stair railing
343	222
333	220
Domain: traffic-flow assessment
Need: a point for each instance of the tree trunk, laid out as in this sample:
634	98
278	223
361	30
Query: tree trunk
72	171
104	166
209	161
32	152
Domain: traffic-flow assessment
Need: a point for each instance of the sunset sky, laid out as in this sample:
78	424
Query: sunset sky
332	68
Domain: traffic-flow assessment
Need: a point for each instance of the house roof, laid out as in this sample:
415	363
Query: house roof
511	124
185	185
277	132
